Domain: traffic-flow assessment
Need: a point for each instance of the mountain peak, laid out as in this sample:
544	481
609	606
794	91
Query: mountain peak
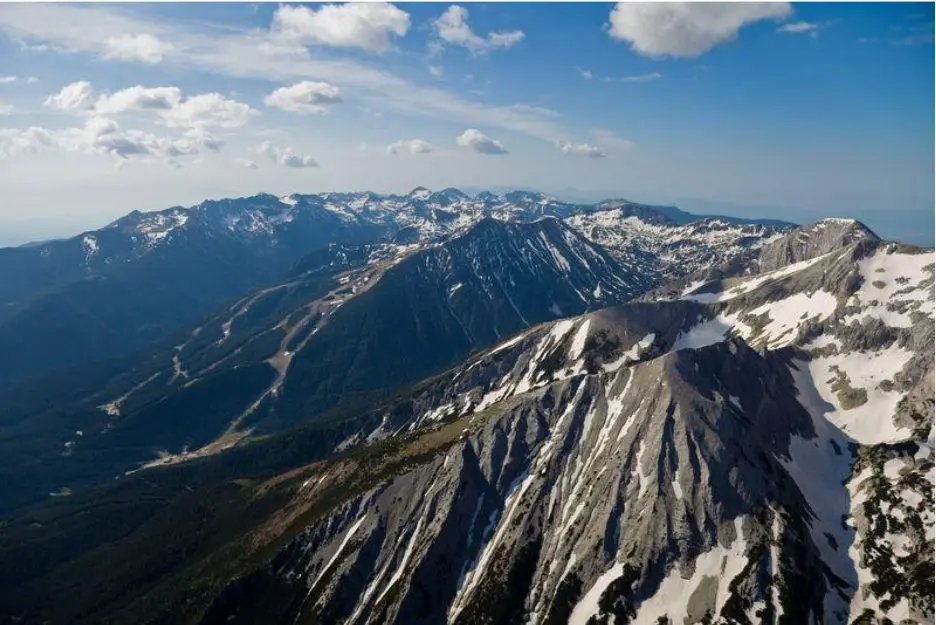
812	240
843	225
419	193
447	196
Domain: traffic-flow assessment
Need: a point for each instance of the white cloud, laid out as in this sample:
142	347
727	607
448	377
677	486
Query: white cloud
410	146
143	47
811	29
208	110
14	141
452	28
5	109
586	74
246	163
686	29
286	157
582	149
637	78
76	96
5	80
304	97
474	139
610	139
370	26
32	79
797	27
198	112
138	98
99	135
260	55
436	70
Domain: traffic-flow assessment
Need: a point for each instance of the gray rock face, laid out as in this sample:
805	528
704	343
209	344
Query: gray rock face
769	253
811	241
681	461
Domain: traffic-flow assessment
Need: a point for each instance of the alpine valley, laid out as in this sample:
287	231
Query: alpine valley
351	408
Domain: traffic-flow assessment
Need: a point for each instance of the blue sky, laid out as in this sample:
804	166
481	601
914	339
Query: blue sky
796	111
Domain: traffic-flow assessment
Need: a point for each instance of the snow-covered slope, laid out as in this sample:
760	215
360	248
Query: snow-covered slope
680	249
758	450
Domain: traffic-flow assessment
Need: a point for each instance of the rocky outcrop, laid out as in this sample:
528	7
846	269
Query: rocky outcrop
814	240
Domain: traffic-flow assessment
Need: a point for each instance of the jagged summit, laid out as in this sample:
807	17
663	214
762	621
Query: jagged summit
419	193
813	240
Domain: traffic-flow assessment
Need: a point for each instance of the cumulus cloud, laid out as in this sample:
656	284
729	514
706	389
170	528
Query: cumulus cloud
582	149
686	29
584	73
452	28
76	96
474	139
410	146
286	157
208	110
5	109
32	79
370	26
436	70
195	116
246	163
98	135
138	98
141	47
196	113
15	141
304	97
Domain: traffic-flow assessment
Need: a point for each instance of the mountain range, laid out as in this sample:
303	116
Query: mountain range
436	408
294	308
82	294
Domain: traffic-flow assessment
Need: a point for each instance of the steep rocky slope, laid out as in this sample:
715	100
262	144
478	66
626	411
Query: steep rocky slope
766	255
352	324
759	451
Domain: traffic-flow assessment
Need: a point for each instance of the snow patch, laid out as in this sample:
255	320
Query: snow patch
706	333
871	422
578	341
672	598
752	283
898	280
787	314
588	606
